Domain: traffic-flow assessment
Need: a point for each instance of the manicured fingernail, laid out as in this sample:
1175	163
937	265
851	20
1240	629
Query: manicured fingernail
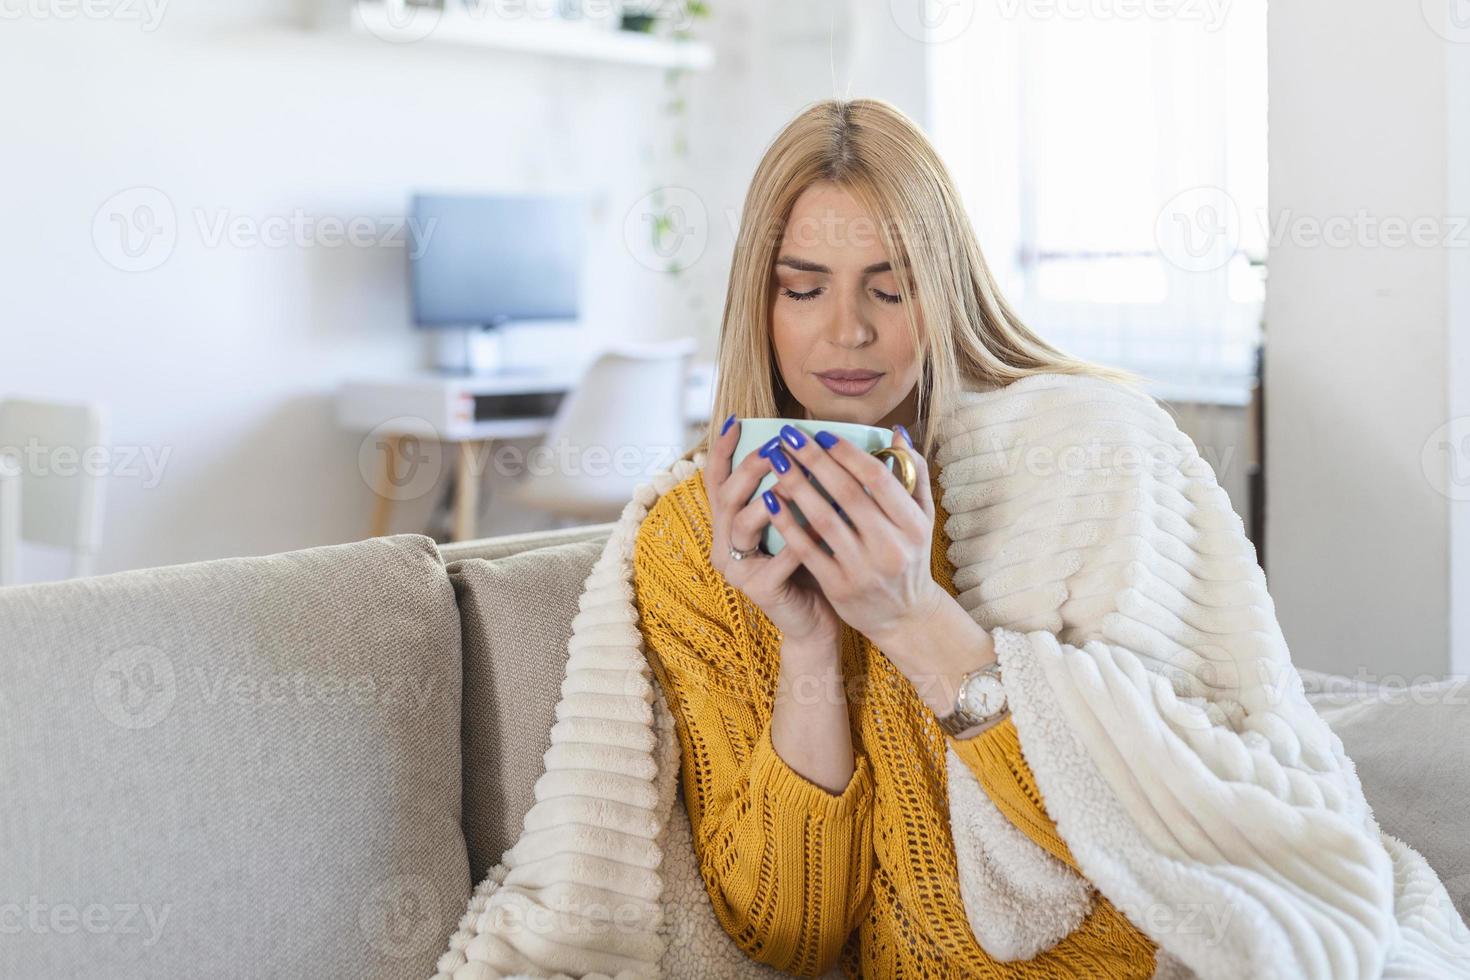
728	422
768	445
905	433
793	435
772	504
825	439
778	460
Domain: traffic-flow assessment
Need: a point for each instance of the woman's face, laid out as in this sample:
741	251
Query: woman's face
837	312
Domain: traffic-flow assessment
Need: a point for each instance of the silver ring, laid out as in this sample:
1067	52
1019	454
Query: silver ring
737	554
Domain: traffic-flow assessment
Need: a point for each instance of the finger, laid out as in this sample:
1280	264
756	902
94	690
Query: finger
800	541
748	524
834	471
740	488
717	466
900	508
772	570
923	486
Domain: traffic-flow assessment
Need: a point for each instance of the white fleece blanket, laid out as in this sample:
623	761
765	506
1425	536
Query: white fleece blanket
1156	705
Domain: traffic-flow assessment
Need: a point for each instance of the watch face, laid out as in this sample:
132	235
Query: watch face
983	696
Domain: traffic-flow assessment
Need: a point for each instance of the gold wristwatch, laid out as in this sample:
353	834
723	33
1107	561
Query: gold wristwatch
981	698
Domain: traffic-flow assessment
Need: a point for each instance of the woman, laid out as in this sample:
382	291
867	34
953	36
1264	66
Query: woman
766	786
1133	784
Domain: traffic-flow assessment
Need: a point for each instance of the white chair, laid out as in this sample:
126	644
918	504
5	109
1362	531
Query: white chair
624	421
50	489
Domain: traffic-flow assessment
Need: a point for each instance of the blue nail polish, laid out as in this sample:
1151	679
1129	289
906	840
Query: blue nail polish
793	435
779	461
728	422
772	504
825	439
768	445
905	433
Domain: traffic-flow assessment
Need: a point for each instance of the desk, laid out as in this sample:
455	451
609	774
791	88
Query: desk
463	413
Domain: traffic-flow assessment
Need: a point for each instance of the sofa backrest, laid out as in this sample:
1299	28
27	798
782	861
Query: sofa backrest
246	767
516	617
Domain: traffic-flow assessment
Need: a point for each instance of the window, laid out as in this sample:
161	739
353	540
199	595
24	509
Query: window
1112	157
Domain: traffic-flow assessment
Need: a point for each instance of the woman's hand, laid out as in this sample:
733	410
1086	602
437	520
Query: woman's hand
879	578
778	584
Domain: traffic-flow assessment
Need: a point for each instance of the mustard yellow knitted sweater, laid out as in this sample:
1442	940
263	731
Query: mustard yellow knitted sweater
802	878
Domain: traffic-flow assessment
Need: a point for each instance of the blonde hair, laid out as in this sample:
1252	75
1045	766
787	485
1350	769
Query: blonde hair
876	153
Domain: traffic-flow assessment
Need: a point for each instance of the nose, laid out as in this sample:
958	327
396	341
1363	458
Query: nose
850	327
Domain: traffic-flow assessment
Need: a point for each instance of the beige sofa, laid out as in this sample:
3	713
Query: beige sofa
297	765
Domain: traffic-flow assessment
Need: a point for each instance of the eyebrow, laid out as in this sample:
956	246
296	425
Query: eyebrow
802	265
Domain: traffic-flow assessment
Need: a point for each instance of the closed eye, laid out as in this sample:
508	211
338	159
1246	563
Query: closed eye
814	293
810	294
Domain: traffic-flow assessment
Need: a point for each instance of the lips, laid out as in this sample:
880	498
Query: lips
849	382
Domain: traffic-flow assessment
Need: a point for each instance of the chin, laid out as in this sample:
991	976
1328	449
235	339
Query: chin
835	409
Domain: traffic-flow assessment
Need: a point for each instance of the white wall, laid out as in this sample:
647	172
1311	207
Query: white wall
1361	338
222	360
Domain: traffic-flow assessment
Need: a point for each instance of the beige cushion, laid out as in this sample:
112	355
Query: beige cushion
516	617
237	768
1411	746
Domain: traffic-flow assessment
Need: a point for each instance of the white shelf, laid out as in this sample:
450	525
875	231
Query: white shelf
568	39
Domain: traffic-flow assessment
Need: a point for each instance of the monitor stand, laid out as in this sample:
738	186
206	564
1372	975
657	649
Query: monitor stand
468	350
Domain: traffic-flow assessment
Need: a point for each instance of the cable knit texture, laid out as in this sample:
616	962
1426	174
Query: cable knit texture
798	875
1152	693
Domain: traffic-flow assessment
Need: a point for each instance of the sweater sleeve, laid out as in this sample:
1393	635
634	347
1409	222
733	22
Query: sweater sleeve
994	756
787	864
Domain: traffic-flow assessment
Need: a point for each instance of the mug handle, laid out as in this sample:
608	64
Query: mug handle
906	471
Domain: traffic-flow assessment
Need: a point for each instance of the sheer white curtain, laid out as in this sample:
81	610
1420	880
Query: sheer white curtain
1112	156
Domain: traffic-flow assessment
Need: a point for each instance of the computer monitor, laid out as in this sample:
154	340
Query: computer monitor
482	261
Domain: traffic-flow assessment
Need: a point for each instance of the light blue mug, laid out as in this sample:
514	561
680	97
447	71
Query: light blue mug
755	432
